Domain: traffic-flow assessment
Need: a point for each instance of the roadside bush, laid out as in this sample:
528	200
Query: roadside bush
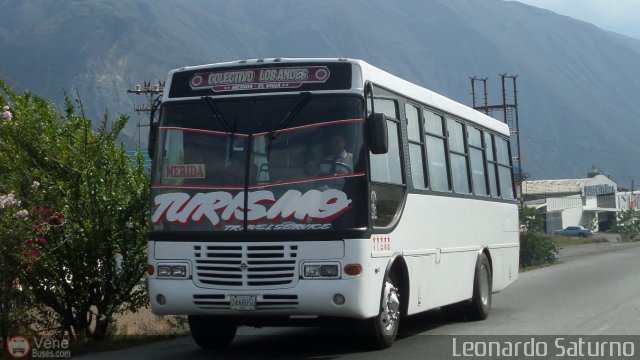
627	224
537	249
532	221
15	253
86	202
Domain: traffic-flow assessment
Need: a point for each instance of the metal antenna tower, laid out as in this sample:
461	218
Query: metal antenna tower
509	111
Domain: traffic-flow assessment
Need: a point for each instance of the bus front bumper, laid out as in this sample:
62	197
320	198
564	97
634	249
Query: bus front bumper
344	298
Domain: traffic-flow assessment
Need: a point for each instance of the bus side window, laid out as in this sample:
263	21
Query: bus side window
492	167
504	168
476	155
416	146
436	152
458	155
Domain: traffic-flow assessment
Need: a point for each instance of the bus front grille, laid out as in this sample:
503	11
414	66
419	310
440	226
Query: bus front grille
236	266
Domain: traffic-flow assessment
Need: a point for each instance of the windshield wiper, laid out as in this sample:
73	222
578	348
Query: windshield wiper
217	115
300	102
225	125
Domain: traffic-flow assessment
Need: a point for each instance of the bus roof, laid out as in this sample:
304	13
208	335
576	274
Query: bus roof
352	80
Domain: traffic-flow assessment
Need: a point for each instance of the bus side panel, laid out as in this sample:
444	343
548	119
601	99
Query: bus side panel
420	279
505	266
441	237
453	278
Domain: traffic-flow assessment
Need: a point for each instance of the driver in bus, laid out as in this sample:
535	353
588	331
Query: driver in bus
339	160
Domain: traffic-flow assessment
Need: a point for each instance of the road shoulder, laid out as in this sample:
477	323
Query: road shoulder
594	248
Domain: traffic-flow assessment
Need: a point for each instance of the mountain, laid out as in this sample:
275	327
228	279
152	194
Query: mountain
578	85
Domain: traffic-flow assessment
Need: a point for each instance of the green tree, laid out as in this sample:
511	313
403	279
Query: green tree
90	206
532	219
536	248
628	224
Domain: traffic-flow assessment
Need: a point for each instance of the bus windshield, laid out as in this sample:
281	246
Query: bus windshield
282	163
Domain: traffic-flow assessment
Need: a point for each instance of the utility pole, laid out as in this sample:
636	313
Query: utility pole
151	92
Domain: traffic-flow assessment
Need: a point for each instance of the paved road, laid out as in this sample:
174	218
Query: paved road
597	294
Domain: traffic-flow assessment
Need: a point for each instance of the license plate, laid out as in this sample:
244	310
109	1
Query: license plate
243	302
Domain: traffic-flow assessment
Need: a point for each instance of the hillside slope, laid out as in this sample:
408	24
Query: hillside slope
577	84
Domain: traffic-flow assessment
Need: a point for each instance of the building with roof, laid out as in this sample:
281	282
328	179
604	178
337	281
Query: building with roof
591	202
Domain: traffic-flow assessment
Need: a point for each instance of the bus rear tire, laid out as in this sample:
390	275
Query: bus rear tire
381	331
212	332
480	305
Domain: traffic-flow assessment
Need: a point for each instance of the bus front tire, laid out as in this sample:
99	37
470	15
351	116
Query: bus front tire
212	332
382	330
480	305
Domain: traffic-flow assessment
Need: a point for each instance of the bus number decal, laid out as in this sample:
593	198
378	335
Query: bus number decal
381	243
221	206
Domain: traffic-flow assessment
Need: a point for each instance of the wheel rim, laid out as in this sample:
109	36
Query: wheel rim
390	307
484	285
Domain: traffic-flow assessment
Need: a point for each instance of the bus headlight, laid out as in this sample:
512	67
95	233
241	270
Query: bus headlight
320	271
164	271
179	271
173	271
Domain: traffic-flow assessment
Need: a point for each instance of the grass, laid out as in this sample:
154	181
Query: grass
565	242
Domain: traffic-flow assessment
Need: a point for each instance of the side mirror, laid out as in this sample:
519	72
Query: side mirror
377	133
153	135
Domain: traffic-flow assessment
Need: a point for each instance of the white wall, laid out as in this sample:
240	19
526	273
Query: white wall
591	202
565	202
571	217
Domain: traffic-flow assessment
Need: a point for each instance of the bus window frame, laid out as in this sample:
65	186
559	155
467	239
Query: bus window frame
481	148
373	92
443	137
455	152
421	143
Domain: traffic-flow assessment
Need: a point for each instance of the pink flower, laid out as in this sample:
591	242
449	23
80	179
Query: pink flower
42	241
34	253
29	242
7	115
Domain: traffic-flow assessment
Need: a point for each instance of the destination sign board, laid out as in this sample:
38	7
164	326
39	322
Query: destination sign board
260	78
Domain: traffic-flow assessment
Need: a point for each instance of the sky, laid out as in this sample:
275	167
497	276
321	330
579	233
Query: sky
621	16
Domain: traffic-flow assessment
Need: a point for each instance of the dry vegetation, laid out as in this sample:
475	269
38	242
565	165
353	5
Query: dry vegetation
145	323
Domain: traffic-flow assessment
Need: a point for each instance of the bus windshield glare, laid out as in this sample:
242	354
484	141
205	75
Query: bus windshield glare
281	163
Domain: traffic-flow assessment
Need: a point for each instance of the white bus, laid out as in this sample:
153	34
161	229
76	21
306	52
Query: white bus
291	189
